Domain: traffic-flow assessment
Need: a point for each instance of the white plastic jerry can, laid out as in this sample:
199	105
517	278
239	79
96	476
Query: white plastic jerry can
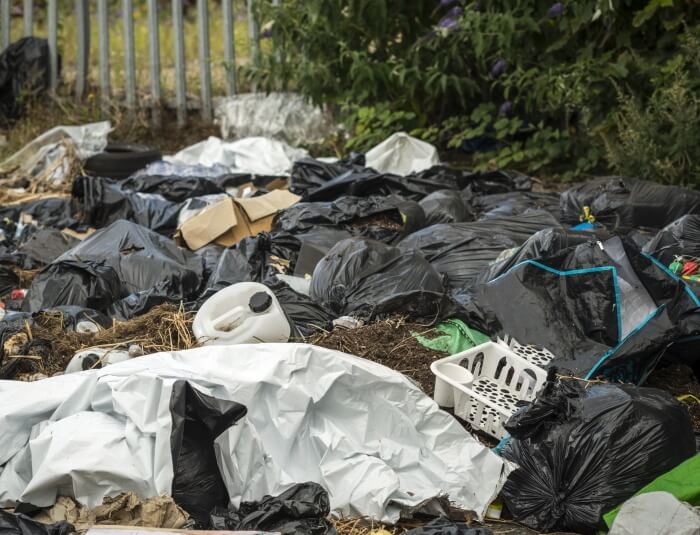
243	313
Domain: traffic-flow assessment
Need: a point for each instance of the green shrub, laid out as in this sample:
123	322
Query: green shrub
535	81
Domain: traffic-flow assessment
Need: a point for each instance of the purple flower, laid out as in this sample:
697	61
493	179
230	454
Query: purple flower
498	68
445	3
266	34
556	10
455	12
448	23
505	108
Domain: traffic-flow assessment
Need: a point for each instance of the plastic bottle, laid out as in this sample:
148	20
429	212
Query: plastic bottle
244	313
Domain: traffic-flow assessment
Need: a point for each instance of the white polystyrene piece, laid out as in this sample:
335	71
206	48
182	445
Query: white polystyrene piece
226	318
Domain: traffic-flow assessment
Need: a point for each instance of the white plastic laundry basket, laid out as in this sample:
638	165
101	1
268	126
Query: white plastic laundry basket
484	384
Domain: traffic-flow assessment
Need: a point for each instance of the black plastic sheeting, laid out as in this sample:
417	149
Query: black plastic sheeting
624	204
368	278
122	270
445	206
583	449
197	420
24	71
301	510
603	311
460	251
19	524
380	218
444	526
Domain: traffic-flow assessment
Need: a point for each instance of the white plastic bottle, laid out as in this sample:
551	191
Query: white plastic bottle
243	313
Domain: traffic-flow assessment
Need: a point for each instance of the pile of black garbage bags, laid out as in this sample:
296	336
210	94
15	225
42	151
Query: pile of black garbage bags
585	273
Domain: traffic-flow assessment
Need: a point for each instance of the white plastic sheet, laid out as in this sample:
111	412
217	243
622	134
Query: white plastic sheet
284	116
656	513
372	438
402	154
255	155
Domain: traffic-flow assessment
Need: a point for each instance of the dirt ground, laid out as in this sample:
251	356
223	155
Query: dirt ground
680	381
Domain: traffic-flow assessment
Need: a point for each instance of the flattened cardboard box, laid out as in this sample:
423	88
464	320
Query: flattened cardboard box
229	221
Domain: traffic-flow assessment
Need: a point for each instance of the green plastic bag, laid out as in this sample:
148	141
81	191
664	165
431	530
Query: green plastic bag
455	337
683	482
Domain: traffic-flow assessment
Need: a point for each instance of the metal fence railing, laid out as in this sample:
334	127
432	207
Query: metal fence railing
82	15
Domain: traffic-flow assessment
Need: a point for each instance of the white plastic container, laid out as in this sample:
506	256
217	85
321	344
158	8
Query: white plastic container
95	358
243	313
484	383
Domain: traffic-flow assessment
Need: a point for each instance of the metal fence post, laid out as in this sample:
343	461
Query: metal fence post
229	48
103	30
28	8
154	49
82	17
180	79
129	54
254	34
53	42
204	58
5	23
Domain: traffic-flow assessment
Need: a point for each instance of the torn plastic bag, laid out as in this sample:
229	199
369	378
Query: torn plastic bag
624	204
286	116
602	311
19	524
53	212
462	250
198	419
254	155
113	263
382	218
367	414
401	154
445	206
583	448
514	203
366	278
103	201
301	510
305	316
445	526
24	71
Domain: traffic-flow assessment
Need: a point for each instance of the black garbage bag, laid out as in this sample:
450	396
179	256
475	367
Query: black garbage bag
514	203
602	310
9	280
24	72
19	524
460	251
680	238
445	526
197	420
368	278
102	201
42	247
300	510
112	264
624	204
305	316
380	218
308	174
582	449
493	182
445	206
172	188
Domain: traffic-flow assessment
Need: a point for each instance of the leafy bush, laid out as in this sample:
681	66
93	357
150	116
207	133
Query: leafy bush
521	83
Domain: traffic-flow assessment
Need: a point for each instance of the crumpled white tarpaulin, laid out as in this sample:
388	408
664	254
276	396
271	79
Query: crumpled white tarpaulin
255	155
371	437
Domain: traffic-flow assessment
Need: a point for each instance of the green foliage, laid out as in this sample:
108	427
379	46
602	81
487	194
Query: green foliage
658	139
536	81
